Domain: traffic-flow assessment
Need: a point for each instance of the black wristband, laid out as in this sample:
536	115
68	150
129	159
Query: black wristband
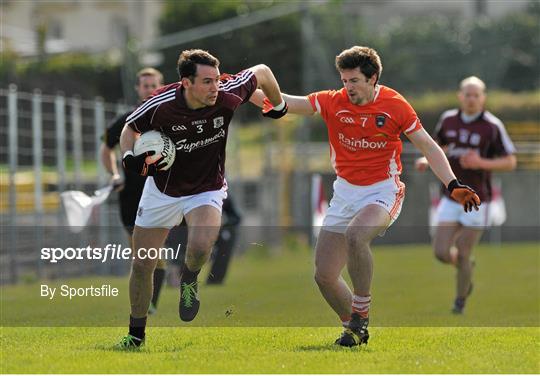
276	114
452	185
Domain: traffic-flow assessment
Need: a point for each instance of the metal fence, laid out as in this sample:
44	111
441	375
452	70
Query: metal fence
49	144
52	134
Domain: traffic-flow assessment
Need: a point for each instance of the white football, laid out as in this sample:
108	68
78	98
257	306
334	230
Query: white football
160	143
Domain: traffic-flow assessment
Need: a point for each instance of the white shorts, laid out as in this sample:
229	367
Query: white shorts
157	209
450	211
348	199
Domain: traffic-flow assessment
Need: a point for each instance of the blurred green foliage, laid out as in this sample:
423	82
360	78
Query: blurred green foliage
71	73
419	54
275	42
436	53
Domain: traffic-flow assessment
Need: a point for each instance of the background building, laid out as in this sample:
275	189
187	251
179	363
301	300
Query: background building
76	25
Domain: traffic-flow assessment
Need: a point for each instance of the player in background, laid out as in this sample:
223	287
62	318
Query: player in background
195	113
364	121
223	248
476	143
130	186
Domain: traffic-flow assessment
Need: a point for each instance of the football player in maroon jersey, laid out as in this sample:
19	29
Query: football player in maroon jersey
195	113
476	143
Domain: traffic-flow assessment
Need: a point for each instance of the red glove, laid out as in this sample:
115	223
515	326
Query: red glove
464	195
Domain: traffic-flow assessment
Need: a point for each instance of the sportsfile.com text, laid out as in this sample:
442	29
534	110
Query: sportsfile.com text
109	252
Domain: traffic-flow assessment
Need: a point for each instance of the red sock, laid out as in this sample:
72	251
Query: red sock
360	305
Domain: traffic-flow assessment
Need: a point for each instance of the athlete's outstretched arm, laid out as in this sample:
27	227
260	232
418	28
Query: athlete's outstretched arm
422	164
434	154
440	166
268	83
297	104
257	98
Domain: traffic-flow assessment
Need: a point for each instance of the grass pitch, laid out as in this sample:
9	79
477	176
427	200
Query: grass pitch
270	318
272	350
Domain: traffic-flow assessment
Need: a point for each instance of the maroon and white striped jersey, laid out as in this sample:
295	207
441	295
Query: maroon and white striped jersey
485	134
200	135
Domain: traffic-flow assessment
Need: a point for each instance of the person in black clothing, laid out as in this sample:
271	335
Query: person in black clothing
130	186
223	248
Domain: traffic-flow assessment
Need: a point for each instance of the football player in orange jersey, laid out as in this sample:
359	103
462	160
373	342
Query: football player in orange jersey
364	121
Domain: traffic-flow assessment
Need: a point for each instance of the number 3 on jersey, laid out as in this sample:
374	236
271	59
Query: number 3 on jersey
199	128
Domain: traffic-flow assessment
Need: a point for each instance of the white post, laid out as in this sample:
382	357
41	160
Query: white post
60	127
13	161
37	151
99	128
13	149
37	146
76	123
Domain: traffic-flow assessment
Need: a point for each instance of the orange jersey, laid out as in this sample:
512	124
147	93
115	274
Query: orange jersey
365	147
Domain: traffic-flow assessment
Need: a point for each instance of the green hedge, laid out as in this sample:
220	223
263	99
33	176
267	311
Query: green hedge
508	106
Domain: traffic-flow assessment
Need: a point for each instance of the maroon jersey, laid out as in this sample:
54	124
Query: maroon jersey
200	135
485	134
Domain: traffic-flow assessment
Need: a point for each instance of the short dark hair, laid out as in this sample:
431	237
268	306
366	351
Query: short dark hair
188	60
149	72
364	58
